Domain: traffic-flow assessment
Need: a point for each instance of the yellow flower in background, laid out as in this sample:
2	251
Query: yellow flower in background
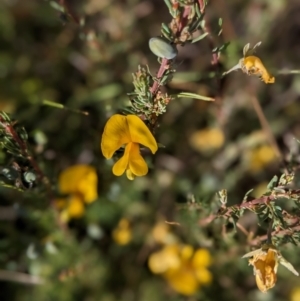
161	234
207	140
130	131
79	182
184	268
260	157
295	294
252	65
265	263
122	234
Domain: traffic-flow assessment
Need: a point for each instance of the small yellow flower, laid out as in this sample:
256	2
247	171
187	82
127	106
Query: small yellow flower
183	268
252	65
260	157
295	294
122	235
161	234
265	263
207	140
79	182
130	131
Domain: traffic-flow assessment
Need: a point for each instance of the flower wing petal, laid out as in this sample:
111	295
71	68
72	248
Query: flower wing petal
87	186
121	165
137	164
140	133
201	259
116	133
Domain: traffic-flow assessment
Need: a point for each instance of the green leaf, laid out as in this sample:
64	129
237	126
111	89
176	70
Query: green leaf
170	7
194	96
273	183
246	195
56	6
201	37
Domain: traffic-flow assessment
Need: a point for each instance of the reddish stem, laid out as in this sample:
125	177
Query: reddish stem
202	6
247	205
160	73
283	232
181	23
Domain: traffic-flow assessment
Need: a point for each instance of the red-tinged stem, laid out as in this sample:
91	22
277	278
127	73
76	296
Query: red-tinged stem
160	73
283	232
246	205
202	6
182	21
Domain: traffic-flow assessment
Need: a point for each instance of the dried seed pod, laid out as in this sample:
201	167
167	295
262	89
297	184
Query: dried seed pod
161	48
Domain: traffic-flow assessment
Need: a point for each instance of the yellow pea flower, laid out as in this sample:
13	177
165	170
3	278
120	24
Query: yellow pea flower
122	234
207	140
295	294
130	131
184	268
265	263
79	182
252	65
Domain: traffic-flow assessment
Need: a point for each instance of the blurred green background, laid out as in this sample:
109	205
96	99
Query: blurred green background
46	55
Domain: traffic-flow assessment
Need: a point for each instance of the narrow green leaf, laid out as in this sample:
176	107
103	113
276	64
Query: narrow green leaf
273	183
194	96
170	7
201	37
56	6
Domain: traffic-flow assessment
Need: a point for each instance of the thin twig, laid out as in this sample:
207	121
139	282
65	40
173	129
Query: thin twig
20	278
266	127
283	232
242	228
226	213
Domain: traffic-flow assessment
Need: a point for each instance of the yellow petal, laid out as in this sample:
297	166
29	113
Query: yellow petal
157	263
165	260
204	276
122	234
140	133
130	175
137	164
75	208
87	186
121	165
116	133
201	259
186	253
295	294
183	281
72	180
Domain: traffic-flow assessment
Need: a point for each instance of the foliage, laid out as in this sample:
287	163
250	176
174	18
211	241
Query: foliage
91	89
